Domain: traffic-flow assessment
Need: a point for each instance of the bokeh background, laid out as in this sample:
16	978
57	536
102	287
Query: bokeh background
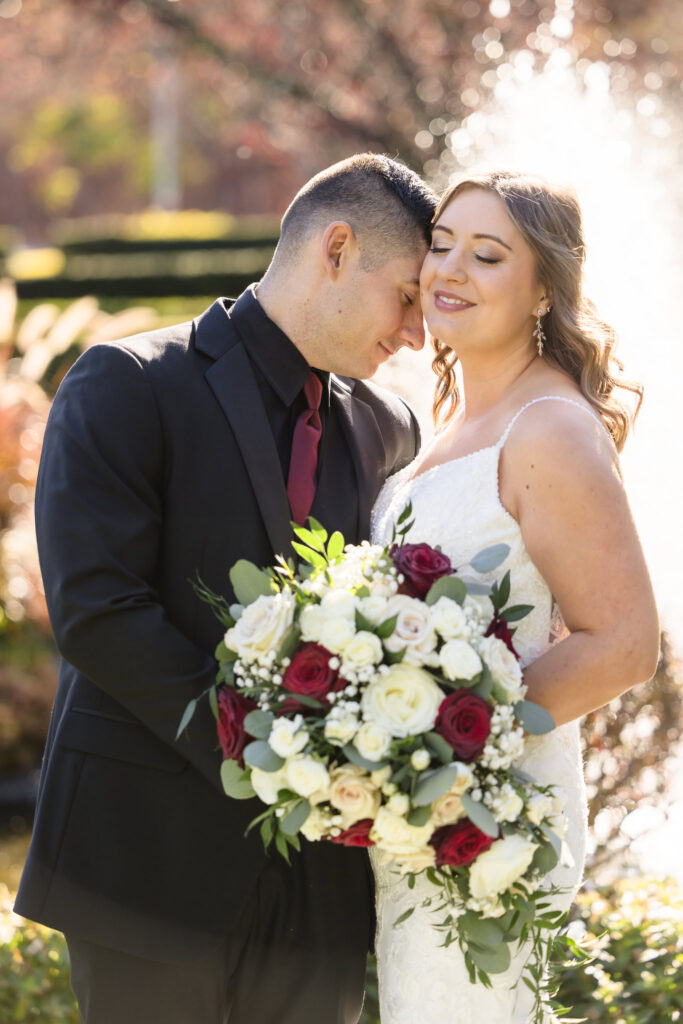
147	150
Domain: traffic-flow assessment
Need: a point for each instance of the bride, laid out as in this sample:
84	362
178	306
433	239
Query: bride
526	455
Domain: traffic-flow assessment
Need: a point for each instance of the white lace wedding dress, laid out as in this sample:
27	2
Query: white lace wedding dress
457	506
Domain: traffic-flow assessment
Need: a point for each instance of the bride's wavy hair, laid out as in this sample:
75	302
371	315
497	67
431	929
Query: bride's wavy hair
577	340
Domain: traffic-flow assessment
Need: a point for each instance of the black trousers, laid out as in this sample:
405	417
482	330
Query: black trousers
297	956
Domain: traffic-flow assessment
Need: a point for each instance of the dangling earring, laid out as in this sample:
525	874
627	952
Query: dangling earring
538	331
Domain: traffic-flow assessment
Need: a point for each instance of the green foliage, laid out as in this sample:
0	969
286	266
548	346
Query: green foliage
34	971
634	931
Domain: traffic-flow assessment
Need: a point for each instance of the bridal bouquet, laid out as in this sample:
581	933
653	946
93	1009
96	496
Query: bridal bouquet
371	697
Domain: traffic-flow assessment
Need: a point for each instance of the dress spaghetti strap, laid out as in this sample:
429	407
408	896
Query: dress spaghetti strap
547	398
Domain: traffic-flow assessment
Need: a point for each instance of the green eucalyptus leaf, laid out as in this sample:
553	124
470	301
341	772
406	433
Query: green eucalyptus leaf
259	723
433	784
213	702
492	961
234	783
236	610
187	717
545	859
490	558
267	830
363	624
484	931
281	845
535	719
447	586
484	686
260	755
419	816
308	702
552	838
439	746
478	589
394	657
480	816
292	822
250	582
290	642
404	916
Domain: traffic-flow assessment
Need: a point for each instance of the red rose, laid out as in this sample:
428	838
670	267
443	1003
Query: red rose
500	629
233	708
309	673
357	835
421	565
459	844
464	720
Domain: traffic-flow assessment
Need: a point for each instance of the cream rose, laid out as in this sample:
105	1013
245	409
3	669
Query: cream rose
353	793
405	700
339	604
446	810
372	741
287	736
413	630
267	785
262	626
335	634
417	861
504	667
392	833
340	726
449	619
399	803
307	777
459	660
362	651
495	870
317	825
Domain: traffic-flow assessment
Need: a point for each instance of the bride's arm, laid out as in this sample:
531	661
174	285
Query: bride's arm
560	478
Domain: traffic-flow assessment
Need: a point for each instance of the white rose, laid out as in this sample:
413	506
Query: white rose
446	810
287	737
262	626
353	793
538	808
267	785
405	700
479	611
339	604
311	622
372	741
504	667
362	651
317	825
459	660
385	587
399	803
420	759
340	726
373	608
464	778
307	777
495	870
413	630
449	619
395	836
335	634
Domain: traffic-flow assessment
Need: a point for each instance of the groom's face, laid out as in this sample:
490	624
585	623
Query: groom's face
380	313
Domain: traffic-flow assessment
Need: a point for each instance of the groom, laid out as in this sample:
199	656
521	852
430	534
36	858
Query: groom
170	454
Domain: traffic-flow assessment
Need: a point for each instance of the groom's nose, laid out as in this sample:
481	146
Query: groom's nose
412	332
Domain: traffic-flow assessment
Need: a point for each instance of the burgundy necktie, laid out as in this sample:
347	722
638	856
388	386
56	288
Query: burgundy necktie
303	461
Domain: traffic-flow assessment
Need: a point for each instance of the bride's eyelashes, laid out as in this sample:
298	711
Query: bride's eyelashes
489	260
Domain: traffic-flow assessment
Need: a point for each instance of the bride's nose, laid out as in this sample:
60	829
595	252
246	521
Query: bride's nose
453	266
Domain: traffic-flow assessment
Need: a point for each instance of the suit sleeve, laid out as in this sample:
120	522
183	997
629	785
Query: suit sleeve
99	517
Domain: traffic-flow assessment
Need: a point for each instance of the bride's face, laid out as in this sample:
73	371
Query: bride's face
479	285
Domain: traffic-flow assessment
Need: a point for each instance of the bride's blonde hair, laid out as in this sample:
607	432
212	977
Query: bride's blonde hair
577	340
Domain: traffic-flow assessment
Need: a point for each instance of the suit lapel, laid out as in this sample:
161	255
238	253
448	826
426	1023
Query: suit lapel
232	381
366	447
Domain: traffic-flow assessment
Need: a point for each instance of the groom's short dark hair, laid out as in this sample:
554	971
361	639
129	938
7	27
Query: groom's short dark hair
388	206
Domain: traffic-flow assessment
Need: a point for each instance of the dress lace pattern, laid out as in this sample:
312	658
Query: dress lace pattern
457	506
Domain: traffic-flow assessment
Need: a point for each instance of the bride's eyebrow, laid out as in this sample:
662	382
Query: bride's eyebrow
494	238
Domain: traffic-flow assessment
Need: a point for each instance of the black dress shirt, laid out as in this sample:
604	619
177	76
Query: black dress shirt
281	372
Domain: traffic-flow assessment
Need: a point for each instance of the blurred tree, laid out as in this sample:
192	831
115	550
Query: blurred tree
272	92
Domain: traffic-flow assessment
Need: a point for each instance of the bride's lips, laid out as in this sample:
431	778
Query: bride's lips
451	302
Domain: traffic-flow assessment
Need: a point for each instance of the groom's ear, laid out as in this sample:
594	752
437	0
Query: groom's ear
338	248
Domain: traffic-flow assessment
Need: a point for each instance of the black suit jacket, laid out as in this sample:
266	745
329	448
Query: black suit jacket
158	463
